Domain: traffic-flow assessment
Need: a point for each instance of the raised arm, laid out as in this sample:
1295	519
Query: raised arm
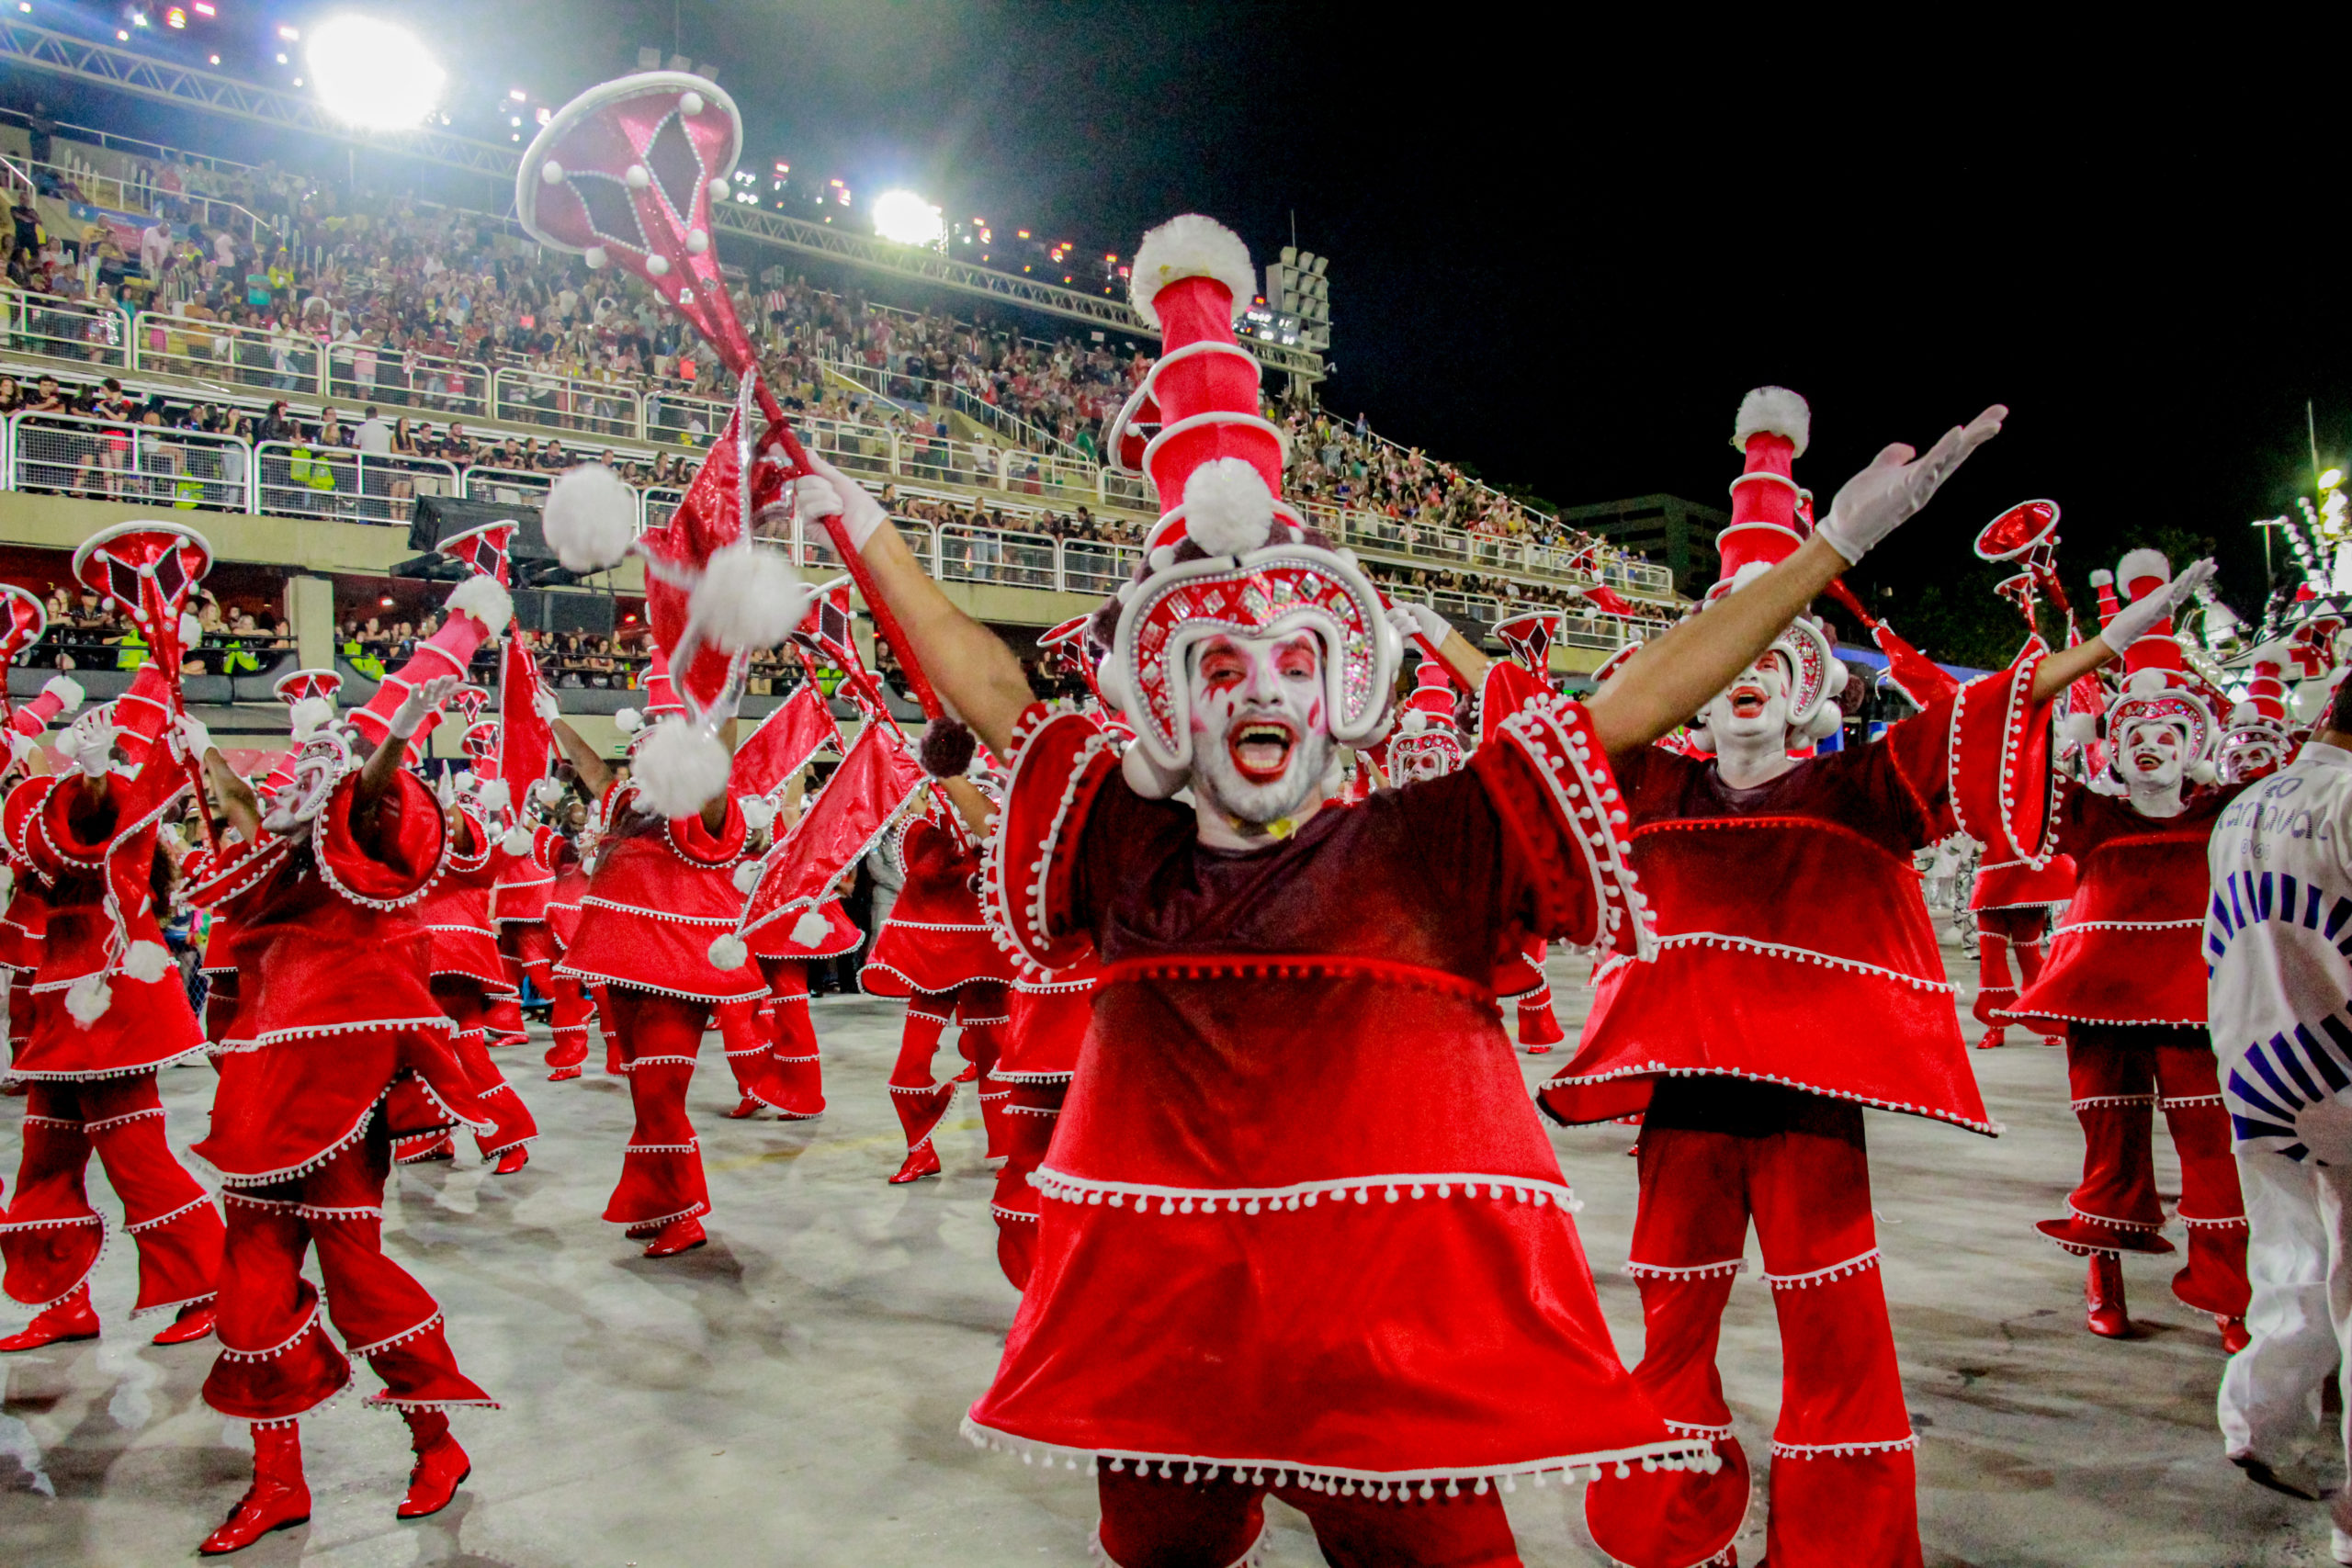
1675	676
593	771
239	805
968	664
2064	667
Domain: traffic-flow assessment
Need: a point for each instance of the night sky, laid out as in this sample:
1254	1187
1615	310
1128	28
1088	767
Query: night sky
1561	252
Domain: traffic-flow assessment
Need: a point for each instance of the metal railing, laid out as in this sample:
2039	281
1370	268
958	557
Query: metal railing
510	487
366	373
561	403
966	553
93	186
962	400
93	336
296	480
146	465
52	328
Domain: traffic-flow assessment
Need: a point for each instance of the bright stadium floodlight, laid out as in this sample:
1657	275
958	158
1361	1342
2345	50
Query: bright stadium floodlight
903	216
373	73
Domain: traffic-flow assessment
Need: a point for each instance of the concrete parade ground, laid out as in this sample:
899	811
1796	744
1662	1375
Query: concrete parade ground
790	1394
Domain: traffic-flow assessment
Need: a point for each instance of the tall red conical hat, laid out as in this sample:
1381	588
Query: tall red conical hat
2158	683
478	609
1217	465
1425	741
2266	692
1770	431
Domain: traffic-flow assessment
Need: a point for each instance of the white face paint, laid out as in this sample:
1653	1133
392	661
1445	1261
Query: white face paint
2246	758
1261	738
1755	708
2153	757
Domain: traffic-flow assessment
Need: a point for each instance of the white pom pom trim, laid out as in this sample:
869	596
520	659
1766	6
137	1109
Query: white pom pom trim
729	951
87	1000
746	877
66	690
485	601
809	929
518	841
759	812
748	599
1775	410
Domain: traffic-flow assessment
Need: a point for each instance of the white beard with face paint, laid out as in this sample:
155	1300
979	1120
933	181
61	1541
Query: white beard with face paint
1261	740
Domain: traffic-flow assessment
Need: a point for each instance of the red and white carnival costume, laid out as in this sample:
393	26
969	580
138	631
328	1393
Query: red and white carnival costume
935	951
468	976
523	906
784	951
661	890
24	916
338	1048
1777	908
1218	1181
2126	981
107	1012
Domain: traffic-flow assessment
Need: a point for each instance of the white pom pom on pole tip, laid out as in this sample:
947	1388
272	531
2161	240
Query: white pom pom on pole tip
680	768
518	841
1229	511
590	518
729	951
746	877
748	599
147	962
809	929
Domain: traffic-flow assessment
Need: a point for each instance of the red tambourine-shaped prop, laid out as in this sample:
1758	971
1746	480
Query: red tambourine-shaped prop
624	176
22	621
2026	535
148	570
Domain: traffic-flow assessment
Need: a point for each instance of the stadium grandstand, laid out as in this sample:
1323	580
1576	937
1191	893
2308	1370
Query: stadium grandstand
302	364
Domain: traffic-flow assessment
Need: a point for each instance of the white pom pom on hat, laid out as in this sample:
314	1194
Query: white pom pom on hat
485	601
518	841
628	721
1776	410
2143	563
66	690
1229	511
590	518
307	716
1191	246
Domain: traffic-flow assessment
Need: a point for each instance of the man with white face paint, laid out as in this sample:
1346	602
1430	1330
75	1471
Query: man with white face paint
1797	981
1295	1091
2122	980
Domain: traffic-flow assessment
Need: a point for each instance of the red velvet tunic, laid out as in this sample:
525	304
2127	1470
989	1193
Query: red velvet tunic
663	891
1299	1215
782	938
1794	945
2128	950
333	1006
1048	1019
95	861
2012	883
521	884
935	939
456	910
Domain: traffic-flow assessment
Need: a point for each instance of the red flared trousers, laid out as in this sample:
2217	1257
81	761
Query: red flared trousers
657	1038
275	1360
2121	1075
52	1236
1716	1154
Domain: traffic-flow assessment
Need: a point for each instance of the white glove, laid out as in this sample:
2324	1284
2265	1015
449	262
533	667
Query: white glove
828	492
1873	502
548	708
1411	620
422	701
2133	621
94	754
445	791
194	735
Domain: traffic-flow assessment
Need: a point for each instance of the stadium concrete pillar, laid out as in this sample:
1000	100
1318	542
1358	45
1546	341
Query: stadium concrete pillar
310	610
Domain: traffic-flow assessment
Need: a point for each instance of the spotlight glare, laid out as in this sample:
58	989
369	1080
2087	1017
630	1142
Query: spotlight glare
2330	480
907	218
373	73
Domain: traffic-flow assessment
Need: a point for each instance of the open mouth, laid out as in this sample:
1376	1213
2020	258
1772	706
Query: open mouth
1260	750
2147	761
1747	701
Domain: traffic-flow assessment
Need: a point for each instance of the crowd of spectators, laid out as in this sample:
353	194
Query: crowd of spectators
88	632
393	291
